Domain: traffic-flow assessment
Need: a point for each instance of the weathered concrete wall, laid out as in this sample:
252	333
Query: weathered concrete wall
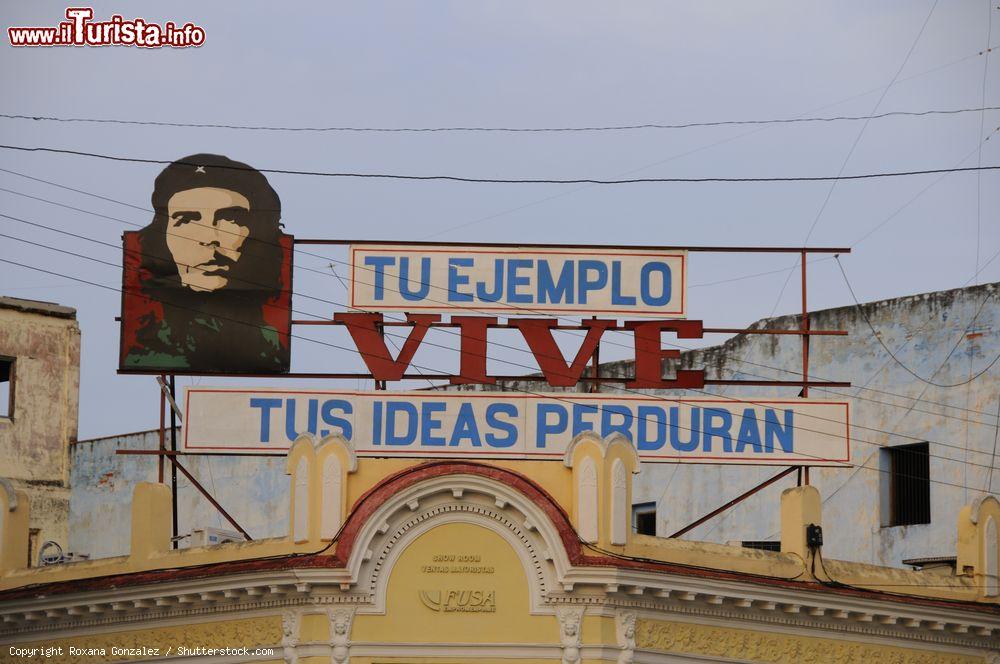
945	337
254	490
44	340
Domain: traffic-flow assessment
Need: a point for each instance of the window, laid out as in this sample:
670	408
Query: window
644	518
6	387
909	484
763	545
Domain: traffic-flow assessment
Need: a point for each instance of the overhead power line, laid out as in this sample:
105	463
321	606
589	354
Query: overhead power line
390	335
604	128
554	396
465	179
908	370
471	309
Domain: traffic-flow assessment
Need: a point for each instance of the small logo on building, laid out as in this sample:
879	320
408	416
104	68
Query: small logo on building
459	601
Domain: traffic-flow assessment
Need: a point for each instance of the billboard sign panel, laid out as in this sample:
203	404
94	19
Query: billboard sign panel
519	426
518	280
207	284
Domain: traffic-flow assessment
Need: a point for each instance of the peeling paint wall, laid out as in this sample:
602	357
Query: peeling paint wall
44	340
945	337
254	490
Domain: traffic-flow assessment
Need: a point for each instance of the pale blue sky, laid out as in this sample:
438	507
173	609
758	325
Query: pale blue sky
518	64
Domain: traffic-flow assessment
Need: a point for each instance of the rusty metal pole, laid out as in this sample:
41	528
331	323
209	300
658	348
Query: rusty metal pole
595	386
173	467
804	326
163	426
740	498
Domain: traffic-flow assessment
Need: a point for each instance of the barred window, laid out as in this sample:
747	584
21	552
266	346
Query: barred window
644	518
909	477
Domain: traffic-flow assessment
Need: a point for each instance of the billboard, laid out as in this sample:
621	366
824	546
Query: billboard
206	286
518	280
520	426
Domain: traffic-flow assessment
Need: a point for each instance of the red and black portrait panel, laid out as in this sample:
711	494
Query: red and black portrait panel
207	284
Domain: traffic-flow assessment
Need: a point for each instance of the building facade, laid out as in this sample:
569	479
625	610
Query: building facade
947	420
39	390
393	560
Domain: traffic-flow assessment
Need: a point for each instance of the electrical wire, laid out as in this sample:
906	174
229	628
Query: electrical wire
878	338
551	396
982	122
335	303
850	152
628	127
471	309
389	336
465	179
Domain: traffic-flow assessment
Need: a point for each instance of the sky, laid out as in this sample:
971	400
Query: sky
518	64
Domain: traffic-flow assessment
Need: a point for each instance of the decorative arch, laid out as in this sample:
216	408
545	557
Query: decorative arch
390	515
587	506
332	504
300	509
991	569
619	503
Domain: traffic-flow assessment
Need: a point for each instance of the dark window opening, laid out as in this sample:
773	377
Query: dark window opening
764	545
644	518
909	484
6	387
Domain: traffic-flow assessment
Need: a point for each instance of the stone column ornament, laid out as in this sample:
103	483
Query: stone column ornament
570	626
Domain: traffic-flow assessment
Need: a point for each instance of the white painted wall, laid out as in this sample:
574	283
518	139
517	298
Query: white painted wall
922	329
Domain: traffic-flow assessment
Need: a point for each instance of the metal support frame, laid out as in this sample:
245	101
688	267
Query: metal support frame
168	392
805	332
738	499
804	327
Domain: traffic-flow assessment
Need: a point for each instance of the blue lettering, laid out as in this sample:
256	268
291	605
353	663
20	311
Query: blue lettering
579	425
616	286
291	430
379	263
265	406
465	427
327	413
542	426
514	280
749	431
713	430
429	424
774	431
510	428
644	285
455	279
377	423
608	427
585	283
497	293
655	417
410	411
423	286
693	442
560	292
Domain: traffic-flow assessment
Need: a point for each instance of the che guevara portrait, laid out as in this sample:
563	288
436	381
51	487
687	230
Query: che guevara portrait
207	284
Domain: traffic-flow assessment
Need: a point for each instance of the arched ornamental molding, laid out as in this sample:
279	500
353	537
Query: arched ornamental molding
388	518
318	470
979	543
601	469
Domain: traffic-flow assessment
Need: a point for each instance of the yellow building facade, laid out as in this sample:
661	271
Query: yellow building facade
408	561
